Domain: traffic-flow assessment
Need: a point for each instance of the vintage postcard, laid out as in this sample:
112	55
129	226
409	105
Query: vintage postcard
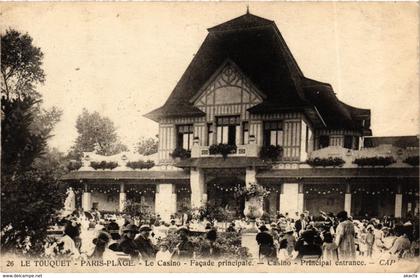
210	137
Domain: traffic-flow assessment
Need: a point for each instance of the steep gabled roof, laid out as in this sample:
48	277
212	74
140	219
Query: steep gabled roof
257	47
252	43
245	21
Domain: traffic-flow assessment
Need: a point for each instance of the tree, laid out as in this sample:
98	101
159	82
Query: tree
20	66
96	133
31	194
147	146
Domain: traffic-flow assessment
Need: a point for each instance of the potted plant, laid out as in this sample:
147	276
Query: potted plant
324	162
412	160
140	164
103	165
74	165
180	153
271	152
254	195
374	161
223	149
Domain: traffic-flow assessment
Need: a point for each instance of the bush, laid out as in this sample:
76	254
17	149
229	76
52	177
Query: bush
330	161
140	164
229	245
412	160
181	153
74	165
103	165
374	161
212	212
226	246
223	149
271	152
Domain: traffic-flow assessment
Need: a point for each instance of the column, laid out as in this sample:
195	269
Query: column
86	199
291	201
123	198
250	176
173	199
197	188
164	205
347	199
398	202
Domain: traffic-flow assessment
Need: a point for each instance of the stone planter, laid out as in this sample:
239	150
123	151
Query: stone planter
254	208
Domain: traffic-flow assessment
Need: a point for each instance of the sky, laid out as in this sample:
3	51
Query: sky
124	59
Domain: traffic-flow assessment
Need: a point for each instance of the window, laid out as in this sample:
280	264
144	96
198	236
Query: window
210	132
228	129
356	143
273	133
185	136
324	141
245	133
348	142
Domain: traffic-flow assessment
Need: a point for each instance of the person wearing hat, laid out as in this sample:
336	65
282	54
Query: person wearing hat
402	244
71	239
266	244
185	249
144	244
345	235
164	254
127	243
291	240
172	227
306	246
101	243
113	228
300	224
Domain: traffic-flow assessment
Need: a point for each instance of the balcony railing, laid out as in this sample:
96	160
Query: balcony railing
398	155
250	150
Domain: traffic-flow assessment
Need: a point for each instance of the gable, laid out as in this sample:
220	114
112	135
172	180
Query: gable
228	85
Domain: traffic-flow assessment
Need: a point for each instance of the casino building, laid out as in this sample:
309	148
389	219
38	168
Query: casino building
244	94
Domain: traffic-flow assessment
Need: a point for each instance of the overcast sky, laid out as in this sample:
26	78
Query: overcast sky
123	60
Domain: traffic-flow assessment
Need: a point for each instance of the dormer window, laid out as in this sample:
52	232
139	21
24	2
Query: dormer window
185	136
273	133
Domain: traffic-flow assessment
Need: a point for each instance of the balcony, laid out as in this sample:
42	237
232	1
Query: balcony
250	150
398	156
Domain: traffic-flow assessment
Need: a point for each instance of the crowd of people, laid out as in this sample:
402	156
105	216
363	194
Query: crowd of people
338	237
92	236
329	237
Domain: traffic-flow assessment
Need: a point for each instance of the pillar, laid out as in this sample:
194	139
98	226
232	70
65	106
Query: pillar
300	202
250	176
197	188
86	199
123	198
398	202
165	204
173	199
347	199
291	199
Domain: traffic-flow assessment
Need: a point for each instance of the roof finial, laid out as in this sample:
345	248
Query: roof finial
247	9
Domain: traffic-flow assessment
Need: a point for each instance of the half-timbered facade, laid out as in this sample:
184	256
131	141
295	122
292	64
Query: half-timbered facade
244	89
